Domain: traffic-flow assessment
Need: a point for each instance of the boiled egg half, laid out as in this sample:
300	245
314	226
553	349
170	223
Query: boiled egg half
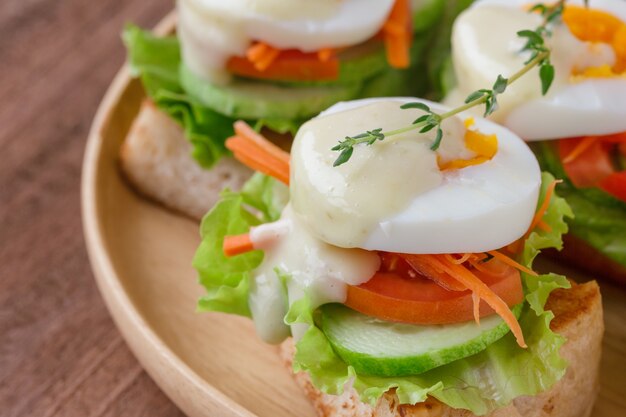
588	96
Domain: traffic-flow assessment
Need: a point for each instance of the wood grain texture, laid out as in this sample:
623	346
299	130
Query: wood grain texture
60	354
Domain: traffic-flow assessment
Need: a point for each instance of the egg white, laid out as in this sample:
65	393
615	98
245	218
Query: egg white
590	107
300	26
476	209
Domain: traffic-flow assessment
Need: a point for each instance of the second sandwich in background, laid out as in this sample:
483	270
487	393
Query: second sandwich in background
273	64
578	128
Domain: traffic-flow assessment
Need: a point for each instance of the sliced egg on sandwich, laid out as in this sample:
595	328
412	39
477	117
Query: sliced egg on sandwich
588	96
477	192
213	31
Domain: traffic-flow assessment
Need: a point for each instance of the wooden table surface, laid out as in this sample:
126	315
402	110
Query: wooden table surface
60	353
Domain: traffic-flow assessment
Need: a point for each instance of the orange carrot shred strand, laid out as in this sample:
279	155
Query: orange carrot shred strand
582	146
236	245
544	226
544	206
476	303
394	28
267	60
463	258
258	153
473	283
258	157
262	166
244	130
515	247
262	55
325	54
431	270
503	258
256	51
397	34
254	158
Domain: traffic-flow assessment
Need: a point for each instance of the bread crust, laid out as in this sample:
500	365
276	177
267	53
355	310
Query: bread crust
156	159
578	317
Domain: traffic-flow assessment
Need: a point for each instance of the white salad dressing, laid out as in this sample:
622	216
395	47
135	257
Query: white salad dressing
211	31
312	266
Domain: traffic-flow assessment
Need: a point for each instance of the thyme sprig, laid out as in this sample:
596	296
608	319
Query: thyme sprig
539	57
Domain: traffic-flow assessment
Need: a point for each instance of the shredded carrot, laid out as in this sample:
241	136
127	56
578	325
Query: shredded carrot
503	258
236	245
476	305
254	158
465	277
256	51
325	54
244	130
258	153
397	34
262	55
515	247
460	260
544	206
478	265
433	272
578	150
544	226
394	28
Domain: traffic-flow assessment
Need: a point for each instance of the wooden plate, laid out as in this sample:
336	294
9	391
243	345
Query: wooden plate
209	364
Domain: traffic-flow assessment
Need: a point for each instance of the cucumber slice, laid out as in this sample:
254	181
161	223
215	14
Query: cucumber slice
382	348
242	99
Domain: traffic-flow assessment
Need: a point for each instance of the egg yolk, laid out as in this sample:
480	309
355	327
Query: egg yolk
597	26
484	146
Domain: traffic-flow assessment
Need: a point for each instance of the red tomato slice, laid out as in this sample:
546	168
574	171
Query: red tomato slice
395	297
616	138
615	184
290	65
590	167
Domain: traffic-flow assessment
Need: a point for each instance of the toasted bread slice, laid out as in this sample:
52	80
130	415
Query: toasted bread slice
578	316
156	159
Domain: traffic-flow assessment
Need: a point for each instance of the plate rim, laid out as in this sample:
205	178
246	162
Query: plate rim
118	303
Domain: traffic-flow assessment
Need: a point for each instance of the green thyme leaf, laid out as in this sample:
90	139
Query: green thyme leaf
546	73
428	128
416	105
344	157
500	85
437	141
421	119
475	96
532	36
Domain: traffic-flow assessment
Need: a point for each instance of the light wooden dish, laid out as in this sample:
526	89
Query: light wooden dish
210	364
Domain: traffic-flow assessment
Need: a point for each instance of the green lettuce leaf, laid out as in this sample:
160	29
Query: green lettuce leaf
227	280
156	60
439	67
480	383
600	218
